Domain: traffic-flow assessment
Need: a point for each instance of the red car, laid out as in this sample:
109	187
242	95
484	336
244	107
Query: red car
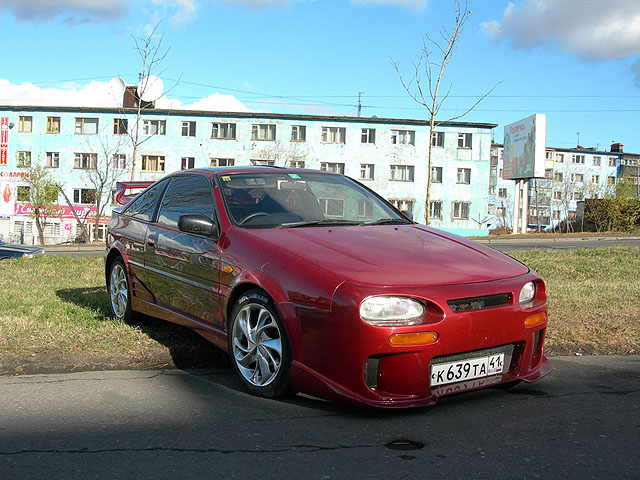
315	284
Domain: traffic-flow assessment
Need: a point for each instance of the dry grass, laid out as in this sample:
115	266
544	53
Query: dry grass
58	306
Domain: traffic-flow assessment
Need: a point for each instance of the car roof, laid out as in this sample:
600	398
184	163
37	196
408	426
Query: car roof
248	169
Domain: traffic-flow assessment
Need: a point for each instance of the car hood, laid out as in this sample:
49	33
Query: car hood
392	255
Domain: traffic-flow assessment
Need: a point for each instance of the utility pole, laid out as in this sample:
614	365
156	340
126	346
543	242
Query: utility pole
360	103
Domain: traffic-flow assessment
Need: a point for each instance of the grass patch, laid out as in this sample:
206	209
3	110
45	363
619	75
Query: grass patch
58	306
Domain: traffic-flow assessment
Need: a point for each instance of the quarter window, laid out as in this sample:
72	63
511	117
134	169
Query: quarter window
186	194
144	206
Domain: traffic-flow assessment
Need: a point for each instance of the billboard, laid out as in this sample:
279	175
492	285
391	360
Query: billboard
524	148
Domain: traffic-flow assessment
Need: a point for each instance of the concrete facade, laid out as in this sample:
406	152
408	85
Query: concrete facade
387	155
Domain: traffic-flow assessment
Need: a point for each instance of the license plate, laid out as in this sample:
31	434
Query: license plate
468	369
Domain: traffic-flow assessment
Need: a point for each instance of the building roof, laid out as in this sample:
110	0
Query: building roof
204	113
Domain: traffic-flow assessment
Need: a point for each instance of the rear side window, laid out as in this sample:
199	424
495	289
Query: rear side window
186	194
144	206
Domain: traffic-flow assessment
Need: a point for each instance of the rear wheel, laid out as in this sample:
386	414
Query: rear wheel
119	291
258	346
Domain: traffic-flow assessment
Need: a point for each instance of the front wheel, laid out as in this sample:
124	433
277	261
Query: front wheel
258	346
119	291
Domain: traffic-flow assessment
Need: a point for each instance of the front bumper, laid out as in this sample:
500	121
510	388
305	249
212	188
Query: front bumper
335	350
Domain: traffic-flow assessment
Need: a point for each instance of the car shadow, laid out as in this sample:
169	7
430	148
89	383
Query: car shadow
187	349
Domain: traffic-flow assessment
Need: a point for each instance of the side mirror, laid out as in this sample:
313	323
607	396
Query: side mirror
199	224
408	214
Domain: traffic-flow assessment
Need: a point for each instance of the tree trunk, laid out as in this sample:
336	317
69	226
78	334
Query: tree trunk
85	233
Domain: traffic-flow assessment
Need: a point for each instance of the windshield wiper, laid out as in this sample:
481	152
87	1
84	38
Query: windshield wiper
388	221
320	223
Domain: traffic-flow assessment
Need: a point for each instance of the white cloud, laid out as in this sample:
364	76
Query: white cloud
414	4
178	11
70	11
101	94
588	29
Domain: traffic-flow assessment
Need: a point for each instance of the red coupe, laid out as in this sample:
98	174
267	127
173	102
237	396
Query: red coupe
313	283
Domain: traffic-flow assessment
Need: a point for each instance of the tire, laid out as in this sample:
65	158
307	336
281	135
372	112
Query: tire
258	346
119	291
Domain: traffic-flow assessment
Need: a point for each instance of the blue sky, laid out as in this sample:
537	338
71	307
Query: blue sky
574	60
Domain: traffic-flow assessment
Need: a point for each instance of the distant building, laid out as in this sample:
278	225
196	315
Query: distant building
387	155
571	175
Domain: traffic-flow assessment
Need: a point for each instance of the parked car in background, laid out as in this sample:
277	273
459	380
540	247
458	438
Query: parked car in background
313	283
8	250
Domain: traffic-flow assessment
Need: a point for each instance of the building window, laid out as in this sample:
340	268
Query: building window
464	140
297	164
53	124
25	124
263	132
332	167
597	161
221	162
502	193
559	157
120	126
492	189
557	176
223	131
557	195
401	173
187	163
262	161
154	127
403	205
611	181
86	196
436	174
152	163
595	179
435	209
333	207
579	159
490	209
460	210
334	135
52	160
188	129
85	161
437	139
86	126
548	173
464	176
368	135
298	133
577	196
577	177
23	193
119	161
23	159
403	137
612	161
366	171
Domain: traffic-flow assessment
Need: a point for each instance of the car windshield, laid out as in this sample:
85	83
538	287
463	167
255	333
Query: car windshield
283	199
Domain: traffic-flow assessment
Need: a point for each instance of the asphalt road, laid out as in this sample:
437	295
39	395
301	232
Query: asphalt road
582	421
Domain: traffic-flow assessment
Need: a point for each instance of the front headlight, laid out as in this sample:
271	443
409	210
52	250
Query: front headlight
392	311
527	294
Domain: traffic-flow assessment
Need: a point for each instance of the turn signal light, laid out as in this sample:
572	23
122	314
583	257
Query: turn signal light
536	319
420	338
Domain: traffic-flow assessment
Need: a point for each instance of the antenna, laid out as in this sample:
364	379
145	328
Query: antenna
360	103
150	88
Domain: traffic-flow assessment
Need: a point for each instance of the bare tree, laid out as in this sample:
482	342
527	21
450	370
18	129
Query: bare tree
43	197
284	154
425	82
152	55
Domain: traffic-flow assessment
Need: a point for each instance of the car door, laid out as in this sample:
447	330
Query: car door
183	268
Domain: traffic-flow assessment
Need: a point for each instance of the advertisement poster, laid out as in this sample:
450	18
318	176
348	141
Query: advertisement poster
7	198
524	148
4	139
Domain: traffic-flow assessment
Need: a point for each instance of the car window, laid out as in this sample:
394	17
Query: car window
144	206
186	194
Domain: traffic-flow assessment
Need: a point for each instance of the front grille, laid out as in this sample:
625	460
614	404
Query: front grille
471	304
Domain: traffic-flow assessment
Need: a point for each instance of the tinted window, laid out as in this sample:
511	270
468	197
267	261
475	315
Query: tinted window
186	194
144	206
